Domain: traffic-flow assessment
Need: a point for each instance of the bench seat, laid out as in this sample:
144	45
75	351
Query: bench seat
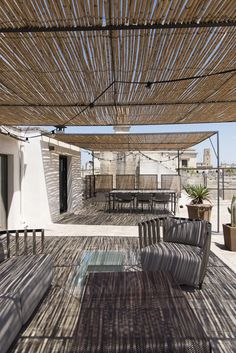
23	282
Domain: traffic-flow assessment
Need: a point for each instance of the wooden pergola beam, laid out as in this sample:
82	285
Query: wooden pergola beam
122	104
123	27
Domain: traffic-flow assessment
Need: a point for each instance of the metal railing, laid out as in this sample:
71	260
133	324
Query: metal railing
27	235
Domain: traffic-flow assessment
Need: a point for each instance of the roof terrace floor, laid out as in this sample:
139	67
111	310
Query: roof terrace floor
51	329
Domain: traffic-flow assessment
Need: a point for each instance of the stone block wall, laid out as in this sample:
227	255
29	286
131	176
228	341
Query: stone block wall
74	181
75	186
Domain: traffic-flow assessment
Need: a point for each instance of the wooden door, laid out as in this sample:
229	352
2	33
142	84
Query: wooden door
63	183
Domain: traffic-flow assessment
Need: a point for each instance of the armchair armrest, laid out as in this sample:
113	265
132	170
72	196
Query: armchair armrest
149	232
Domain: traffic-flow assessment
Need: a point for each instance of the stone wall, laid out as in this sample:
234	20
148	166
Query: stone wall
74	181
75	186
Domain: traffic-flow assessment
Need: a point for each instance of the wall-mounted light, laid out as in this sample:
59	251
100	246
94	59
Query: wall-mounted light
60	128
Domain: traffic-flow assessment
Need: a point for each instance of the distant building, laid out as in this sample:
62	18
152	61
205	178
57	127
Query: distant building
143	162
140	162
207	162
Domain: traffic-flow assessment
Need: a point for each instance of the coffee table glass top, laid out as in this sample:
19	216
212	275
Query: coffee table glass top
96	261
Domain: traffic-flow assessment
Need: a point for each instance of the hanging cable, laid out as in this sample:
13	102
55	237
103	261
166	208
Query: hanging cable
159	161
12	135
136	153
109	160
91	105
148	84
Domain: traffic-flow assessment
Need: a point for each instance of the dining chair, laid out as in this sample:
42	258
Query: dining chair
122	199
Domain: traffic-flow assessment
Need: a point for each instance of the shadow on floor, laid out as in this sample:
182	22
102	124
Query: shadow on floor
95	213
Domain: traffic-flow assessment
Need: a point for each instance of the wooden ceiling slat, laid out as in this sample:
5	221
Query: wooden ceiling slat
13	13
75	67
105	116
132	142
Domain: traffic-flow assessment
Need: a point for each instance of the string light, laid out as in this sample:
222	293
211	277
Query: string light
148	84
136	154
160	161
109	160
61	127
10	134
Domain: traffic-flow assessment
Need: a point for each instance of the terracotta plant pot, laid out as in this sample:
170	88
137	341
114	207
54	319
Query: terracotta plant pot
229	237
201	211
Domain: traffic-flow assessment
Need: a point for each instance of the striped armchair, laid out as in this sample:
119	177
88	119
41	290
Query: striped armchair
184	250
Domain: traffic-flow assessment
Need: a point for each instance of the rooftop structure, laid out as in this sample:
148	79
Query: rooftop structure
109	63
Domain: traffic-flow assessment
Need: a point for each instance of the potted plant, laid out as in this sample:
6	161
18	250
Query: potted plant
229	229
197	209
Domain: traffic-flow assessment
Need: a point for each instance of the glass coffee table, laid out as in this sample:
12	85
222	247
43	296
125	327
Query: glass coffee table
96	261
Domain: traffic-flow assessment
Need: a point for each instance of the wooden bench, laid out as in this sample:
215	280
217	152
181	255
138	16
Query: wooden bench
24	279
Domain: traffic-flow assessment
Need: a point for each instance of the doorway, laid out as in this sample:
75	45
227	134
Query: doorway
63	183
3	191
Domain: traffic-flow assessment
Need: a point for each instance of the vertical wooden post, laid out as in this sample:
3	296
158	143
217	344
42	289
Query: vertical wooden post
17	243
34	242
25	242
8	245
42	240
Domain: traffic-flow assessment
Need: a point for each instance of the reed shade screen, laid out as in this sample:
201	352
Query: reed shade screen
125	182
59	57
171	182
103	182
134	142
147	182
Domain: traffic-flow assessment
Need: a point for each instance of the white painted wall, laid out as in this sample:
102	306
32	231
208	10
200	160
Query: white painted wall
11	147
35	210
35	180
42	203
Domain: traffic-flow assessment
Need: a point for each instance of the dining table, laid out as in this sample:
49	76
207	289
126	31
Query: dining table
154	192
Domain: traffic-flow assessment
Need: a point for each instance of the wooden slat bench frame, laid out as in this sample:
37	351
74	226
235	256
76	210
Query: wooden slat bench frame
26	232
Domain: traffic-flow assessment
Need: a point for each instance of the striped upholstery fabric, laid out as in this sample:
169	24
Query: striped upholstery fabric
28	277
149	232
184	250
10	321
184	231
2	257
183	261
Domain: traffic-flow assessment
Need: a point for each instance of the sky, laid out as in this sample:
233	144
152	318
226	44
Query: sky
227	137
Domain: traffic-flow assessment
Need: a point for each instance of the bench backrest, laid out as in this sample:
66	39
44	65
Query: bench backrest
27	241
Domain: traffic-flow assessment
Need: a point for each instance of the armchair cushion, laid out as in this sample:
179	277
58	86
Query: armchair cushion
184	251
184	231
183	261
10	321
26	277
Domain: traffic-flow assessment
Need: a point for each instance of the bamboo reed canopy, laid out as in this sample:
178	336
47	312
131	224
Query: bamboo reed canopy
136	142
117	62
